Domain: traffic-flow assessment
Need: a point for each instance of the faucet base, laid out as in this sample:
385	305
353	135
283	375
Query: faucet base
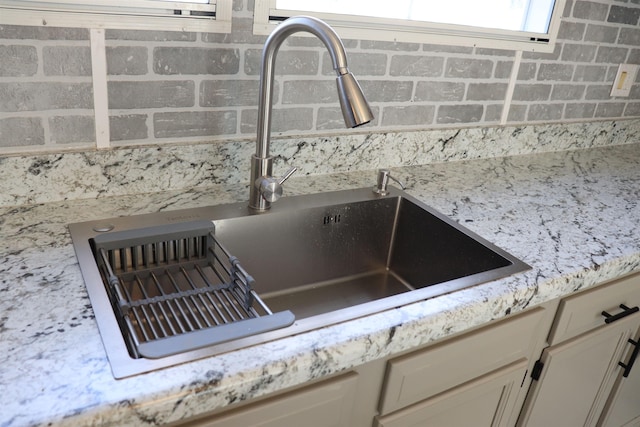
260	167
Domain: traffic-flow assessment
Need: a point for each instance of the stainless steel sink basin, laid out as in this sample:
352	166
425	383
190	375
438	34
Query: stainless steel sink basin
322	258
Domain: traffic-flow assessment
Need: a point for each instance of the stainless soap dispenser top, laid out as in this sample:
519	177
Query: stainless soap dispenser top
384	175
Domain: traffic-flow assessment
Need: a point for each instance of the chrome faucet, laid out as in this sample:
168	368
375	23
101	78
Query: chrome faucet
264	188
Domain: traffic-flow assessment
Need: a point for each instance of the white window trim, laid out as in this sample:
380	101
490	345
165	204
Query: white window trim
120	14
397	30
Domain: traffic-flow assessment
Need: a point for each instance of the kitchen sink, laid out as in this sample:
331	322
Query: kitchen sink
176	286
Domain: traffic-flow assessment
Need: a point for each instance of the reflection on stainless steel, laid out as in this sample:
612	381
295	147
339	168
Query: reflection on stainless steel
355	108
326	258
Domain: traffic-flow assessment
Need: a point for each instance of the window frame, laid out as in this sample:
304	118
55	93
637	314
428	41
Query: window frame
266	18
214	16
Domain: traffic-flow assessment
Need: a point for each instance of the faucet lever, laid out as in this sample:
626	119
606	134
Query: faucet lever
287	174
384	175
270	188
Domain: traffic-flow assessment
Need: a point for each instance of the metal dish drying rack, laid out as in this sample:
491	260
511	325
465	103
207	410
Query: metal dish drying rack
176	288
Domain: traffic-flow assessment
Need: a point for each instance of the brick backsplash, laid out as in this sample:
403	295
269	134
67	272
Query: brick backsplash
173	87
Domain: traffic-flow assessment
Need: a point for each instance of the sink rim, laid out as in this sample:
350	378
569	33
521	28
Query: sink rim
122	365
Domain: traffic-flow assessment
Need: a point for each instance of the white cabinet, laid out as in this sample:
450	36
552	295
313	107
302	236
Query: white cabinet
484	401
473	379
348	399
579	378
465	380
623	407
326	404
578	375
489	376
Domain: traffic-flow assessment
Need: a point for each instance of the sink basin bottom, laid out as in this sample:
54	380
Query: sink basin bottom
337	294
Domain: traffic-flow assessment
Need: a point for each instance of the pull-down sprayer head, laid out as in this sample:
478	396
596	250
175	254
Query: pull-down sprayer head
355	108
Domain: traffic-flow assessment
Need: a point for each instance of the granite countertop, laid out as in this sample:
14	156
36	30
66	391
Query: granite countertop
572	215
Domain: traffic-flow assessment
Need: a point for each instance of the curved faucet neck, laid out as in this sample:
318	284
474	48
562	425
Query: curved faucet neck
355	108
292	25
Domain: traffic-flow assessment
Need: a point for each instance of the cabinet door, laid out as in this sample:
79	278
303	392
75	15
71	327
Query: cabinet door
578	376
486	401
419	375
326	404
623	408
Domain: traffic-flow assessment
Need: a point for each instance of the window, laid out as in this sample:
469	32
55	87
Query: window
507	24
176	15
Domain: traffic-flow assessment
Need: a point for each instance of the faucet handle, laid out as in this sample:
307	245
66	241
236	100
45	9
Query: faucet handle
384	175
287	174
271	188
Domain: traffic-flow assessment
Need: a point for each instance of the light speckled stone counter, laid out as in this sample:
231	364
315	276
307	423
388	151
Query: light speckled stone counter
148	169
573	216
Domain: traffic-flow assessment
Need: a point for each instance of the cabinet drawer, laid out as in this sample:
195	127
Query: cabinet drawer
583	312
419	375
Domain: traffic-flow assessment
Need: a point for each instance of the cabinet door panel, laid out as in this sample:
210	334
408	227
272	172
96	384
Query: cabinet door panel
481	402
423	374
623	408
578	376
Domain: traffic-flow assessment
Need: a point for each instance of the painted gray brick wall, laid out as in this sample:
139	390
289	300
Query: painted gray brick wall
184	87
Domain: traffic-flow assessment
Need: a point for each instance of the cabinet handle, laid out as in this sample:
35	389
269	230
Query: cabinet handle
627	366
609	318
